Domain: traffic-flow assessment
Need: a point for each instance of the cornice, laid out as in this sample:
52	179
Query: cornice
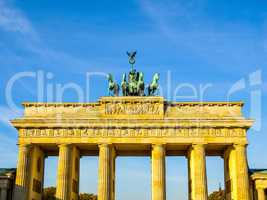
156	123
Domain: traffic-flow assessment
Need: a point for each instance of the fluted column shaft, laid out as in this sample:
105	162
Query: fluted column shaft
23	172
158	172
105	172
197	173
227	176
237	186
37	173
261	194
242	182
113	173
75	176
64	172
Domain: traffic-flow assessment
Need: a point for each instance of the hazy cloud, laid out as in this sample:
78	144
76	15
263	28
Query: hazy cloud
8	150
8	114
12	19
189	29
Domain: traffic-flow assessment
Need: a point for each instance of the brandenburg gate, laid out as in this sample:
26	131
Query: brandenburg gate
132	126
135	124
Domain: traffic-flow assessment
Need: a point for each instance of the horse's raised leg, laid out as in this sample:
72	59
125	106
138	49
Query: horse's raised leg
116	90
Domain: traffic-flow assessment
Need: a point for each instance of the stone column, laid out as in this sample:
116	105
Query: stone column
75	176
158	172
3	193
64	172
23	172
37	173
238	172
113	173
197	172
261	194
106	177
242	172
227	178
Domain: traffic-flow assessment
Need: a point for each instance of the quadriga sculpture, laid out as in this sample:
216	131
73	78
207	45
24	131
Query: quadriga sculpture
113	87
135	85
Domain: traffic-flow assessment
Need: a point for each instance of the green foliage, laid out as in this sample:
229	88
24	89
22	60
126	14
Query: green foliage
217	195
50	192
85	196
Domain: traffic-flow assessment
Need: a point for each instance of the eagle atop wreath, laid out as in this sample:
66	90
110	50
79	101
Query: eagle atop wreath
133	84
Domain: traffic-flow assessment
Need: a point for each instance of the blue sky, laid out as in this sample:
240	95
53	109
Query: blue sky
220	44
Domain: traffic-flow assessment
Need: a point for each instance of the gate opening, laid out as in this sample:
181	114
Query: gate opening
88	174
133	178
176	178
215	174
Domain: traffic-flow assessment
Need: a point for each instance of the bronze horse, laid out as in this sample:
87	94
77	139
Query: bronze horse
113	87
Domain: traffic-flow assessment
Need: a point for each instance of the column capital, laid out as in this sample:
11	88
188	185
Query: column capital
64	144
105	145
24	145
240	145
198	146
154	145
227	150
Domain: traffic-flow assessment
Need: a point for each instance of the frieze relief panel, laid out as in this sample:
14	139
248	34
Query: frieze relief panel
125	107
133	109
134	132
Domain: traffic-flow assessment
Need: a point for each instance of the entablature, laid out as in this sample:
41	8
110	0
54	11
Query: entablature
134	117
133	123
